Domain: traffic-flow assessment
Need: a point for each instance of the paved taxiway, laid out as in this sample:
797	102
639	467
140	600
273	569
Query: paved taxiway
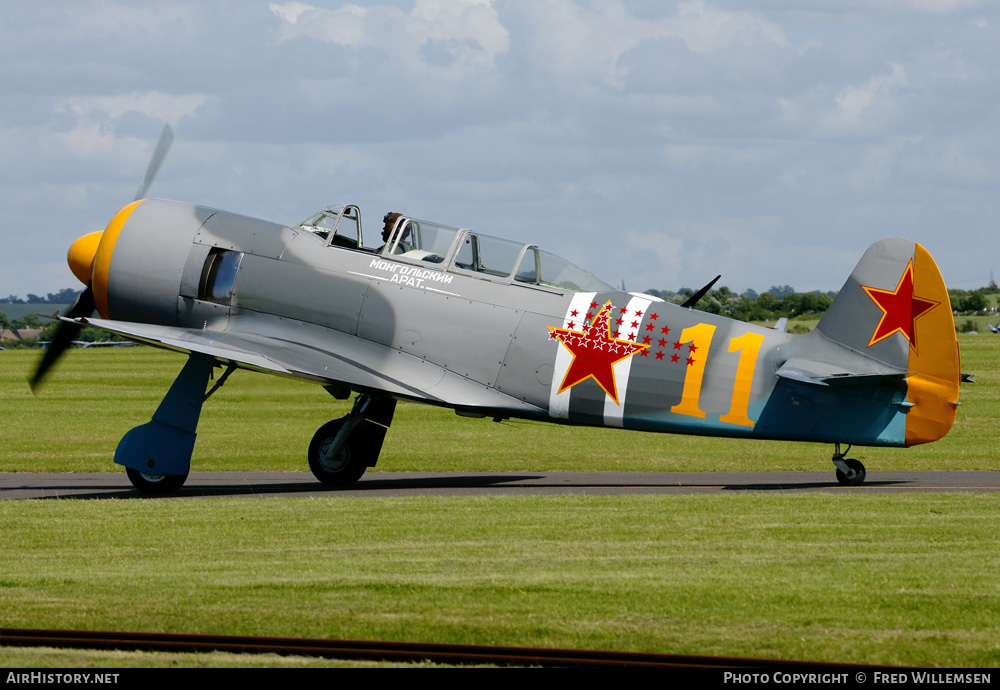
22	485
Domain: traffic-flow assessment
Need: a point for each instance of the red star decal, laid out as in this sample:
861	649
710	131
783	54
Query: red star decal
900	309
595	352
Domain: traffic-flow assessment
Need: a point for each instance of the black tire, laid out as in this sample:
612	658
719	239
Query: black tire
350	463
155	484
859	473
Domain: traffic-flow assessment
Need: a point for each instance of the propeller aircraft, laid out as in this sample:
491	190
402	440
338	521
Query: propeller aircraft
493	328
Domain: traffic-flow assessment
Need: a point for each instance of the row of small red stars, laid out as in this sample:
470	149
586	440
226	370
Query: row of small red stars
647	340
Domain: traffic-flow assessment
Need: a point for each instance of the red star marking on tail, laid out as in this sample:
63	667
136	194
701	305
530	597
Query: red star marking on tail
900	309
595	352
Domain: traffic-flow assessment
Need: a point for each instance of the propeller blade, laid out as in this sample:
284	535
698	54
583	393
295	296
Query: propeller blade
83	306
166	139
64	336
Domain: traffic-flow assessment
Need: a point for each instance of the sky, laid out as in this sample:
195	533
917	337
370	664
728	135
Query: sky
655	143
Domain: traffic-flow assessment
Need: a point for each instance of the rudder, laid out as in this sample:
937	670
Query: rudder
933	387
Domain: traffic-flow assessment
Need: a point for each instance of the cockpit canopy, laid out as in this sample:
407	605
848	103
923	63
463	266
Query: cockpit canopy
457	250
339	225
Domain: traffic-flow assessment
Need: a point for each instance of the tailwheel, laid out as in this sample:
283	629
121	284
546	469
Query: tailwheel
850	472
155	484
337	453
856	475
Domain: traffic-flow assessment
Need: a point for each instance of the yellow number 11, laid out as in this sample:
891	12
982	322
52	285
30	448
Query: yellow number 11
748	345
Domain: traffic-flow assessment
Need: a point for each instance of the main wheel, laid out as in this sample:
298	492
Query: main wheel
855	479
155	484
344	467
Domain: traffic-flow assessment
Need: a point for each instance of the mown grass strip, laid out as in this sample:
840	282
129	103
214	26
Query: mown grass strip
872	579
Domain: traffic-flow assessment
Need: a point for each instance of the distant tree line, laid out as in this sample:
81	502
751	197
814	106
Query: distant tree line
784	301
64	296
777	302
32	321
972	301
26	321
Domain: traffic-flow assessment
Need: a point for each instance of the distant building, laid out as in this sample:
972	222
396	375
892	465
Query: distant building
7	334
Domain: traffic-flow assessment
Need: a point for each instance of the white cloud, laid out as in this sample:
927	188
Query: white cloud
451	33
561	37
588	42
155	104
868	9
934	6
571	123
863	110
855	104
748	252
704	28
291	11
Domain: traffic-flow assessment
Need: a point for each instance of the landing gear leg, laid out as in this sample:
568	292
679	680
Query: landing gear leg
157	454
343	449
850	472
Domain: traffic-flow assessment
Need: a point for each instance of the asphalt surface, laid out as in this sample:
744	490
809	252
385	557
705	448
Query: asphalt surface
29	485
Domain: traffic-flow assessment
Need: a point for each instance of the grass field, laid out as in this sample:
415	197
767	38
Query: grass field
873	579
881	579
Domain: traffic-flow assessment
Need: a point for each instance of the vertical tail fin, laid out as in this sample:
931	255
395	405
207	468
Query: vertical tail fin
895	308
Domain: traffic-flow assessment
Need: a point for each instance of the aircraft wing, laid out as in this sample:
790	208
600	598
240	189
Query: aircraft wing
336	359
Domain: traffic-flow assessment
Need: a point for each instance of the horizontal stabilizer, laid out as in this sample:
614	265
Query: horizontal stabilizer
828	374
